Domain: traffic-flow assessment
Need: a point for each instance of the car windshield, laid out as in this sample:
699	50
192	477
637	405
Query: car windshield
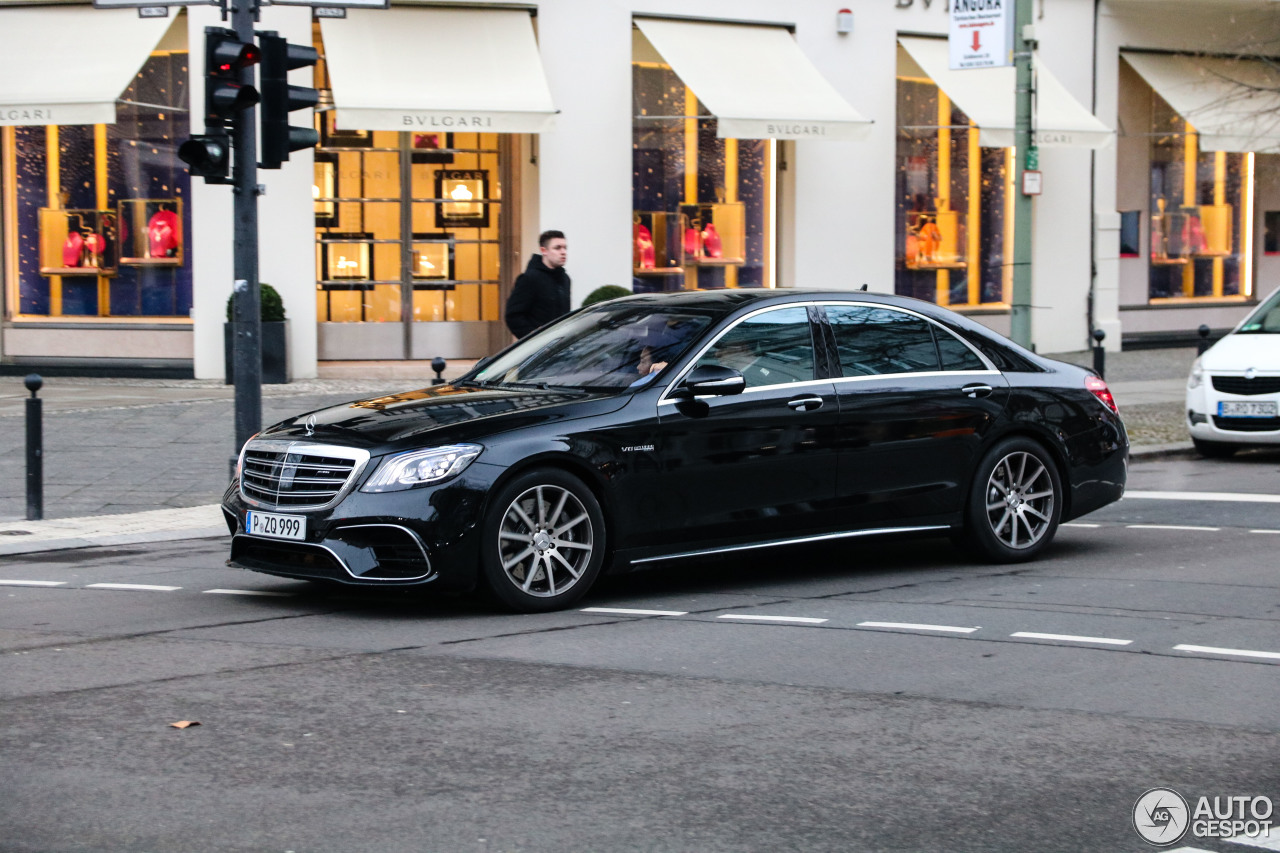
607	347
1265	320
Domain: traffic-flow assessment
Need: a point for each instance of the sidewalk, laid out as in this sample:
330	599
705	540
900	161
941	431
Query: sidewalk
138	460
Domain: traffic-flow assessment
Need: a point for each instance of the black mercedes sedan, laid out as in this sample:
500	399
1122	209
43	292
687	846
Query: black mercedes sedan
665	426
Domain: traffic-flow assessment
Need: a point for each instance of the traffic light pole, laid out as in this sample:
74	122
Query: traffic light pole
246	311
1020	315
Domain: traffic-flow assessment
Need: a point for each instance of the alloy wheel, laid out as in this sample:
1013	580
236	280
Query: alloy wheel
1019	500
545	541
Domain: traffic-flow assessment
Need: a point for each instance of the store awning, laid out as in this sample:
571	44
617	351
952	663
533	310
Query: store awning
754	79
1234	104
443	69
69	64
988	97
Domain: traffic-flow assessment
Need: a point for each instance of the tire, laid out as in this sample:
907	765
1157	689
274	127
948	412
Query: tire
543	542
1015	502
1214	449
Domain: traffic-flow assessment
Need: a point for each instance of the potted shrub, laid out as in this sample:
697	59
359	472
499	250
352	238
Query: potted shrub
275	356
605	292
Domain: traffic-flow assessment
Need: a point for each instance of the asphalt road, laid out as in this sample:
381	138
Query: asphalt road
886	695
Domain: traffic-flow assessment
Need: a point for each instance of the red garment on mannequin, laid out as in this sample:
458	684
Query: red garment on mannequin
72	249
711	241
164	234
642	253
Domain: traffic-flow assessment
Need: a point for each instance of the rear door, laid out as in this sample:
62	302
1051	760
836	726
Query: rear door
760	464
915	405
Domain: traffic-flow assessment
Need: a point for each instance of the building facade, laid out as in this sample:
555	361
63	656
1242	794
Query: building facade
751	145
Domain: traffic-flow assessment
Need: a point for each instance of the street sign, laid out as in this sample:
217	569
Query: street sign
981	34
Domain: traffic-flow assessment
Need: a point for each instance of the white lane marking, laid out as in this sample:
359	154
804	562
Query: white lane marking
1264	531
806	620
1070	638
32	583
911	626
138	586
1232	497
1244	653
248	592
1171	527
627	611
1267	840
1080	524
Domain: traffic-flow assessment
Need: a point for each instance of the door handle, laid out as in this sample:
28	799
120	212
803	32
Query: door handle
804	404
976	390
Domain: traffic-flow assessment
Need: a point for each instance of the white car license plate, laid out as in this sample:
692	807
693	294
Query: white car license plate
1247	409
275	526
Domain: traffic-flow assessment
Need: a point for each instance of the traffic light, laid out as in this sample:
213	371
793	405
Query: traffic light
208	155
279	99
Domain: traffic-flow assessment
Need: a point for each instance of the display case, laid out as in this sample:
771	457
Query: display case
714	233
78	242
464	195
432	263
1188	232
935	240
657	243
324	189
151	232
345	261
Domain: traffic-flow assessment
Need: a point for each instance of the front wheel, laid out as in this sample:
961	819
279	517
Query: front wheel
1015	502
544	542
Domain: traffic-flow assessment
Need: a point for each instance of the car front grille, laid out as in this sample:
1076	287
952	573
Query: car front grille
1247	424
295	475
1247	387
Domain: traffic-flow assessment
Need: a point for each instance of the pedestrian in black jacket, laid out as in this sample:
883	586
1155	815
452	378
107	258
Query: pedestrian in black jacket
541	292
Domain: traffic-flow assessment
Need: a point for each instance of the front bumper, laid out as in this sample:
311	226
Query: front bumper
394	539
1204	422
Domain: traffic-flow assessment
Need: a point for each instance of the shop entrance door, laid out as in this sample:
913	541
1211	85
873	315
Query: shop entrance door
410	234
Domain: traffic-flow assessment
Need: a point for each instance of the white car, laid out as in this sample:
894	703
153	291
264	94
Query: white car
1233	393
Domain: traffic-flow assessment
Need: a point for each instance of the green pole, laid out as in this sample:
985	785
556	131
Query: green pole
1025	157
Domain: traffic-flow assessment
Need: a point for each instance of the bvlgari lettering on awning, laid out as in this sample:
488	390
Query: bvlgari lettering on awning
27	114
477	121
1053	137
780	129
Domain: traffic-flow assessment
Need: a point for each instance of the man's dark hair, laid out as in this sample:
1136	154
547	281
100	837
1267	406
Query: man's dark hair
547	236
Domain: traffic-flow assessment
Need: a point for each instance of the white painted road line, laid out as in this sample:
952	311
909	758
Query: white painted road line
32	583
1232	497
136	586
1244	653
805	620
911	626
1269	839
1171	527
1080	524
626	611
249	592
1264	531
1071	638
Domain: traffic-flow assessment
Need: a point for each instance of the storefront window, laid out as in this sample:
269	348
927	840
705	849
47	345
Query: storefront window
702	206
96	216
952	221
1200	214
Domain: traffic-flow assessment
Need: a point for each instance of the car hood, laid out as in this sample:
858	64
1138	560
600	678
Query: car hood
440	414
1239	352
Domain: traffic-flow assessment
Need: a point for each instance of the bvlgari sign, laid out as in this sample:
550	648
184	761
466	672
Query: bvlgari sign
981	34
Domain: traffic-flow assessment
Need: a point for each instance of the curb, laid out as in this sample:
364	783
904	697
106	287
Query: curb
1158	451
163	525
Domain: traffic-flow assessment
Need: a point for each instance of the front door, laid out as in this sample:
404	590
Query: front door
760	464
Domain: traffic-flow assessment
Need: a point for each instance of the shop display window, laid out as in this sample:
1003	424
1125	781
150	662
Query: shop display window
1271	232
1200	214
1131	234
953	201
702	206
95	215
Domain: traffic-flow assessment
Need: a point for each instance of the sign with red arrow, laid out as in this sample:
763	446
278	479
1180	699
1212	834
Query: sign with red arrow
981	34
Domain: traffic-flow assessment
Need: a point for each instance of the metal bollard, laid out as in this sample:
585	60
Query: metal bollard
1203	344
1099	354
35	450
438	364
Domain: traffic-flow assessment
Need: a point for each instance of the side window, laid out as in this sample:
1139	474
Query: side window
772	348
872	341
955	355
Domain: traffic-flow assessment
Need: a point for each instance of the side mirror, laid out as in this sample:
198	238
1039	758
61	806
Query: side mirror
711	380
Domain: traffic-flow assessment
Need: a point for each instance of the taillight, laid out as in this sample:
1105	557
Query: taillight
1099	389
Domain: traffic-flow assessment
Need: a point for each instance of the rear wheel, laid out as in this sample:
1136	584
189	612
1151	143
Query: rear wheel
1214	449
544	542
1015	502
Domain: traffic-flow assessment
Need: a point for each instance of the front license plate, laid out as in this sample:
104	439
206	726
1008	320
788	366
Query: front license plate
1247	409
275	526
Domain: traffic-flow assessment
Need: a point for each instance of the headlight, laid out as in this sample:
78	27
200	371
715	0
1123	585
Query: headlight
421	467
1197	375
